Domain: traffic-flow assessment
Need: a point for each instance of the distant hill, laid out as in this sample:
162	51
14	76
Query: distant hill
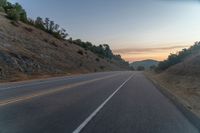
145	63
28	52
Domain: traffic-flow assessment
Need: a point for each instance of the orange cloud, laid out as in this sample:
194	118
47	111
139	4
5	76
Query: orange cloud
160	53
144	50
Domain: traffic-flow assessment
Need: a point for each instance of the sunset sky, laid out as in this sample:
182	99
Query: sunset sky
136	29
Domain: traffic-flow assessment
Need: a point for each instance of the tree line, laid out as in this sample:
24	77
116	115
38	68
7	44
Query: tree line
178	57
16	13
102	50
48	26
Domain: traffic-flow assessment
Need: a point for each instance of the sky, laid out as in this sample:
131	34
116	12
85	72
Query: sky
135	29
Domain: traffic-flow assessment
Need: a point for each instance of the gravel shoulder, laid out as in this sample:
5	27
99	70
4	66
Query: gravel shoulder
186	89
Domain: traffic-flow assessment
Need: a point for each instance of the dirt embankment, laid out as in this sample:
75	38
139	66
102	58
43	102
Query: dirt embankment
183	81
27	52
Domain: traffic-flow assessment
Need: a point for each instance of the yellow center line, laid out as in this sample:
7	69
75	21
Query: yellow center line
42	93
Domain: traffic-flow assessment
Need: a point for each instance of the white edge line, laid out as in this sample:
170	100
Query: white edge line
88	119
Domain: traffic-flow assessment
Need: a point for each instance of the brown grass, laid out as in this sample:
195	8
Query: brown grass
185	88
34	53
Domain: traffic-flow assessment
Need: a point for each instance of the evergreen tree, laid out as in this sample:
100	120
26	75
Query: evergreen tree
39	23
46	23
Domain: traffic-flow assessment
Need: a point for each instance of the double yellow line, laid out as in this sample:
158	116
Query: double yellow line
51	91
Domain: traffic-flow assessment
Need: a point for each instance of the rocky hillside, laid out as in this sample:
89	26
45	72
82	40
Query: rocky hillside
27	52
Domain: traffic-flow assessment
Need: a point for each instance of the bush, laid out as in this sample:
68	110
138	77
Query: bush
46	40
23	16
152	68
102	51
54	44
102	67
140	68
13	14
97	59
178	57
3	3
28	29
15	23
16	12
2	9
132	68
80	52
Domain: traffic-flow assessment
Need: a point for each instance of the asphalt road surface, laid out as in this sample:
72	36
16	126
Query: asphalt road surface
109	102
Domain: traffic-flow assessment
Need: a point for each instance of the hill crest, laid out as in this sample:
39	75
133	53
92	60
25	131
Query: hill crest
145	63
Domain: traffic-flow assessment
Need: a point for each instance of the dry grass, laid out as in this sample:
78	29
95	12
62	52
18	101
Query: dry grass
185	88
183	80
32	53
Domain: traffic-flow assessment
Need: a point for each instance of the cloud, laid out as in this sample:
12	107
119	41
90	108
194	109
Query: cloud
147	50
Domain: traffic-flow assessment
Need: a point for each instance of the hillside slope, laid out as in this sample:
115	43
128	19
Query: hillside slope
27	52
145	63
189	67
183	80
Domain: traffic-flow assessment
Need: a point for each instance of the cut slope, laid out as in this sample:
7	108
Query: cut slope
183	80
188	67
26	52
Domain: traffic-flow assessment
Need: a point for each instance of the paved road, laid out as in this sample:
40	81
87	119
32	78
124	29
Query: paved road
110	102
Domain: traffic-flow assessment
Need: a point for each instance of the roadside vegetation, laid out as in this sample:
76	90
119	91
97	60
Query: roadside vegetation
143	65
180	56
103	50
180	75
16	13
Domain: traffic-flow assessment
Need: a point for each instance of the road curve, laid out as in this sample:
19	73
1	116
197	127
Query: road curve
109	102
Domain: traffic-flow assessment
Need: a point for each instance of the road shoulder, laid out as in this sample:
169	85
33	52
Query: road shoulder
176	100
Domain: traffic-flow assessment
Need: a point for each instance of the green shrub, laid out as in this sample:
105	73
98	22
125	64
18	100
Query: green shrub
174	59
13	14
102	51
3	3
2	9
23	16
140	68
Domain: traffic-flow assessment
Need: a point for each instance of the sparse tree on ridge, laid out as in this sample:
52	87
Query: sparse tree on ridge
63	33
56	27
51	27
39	23
46	23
